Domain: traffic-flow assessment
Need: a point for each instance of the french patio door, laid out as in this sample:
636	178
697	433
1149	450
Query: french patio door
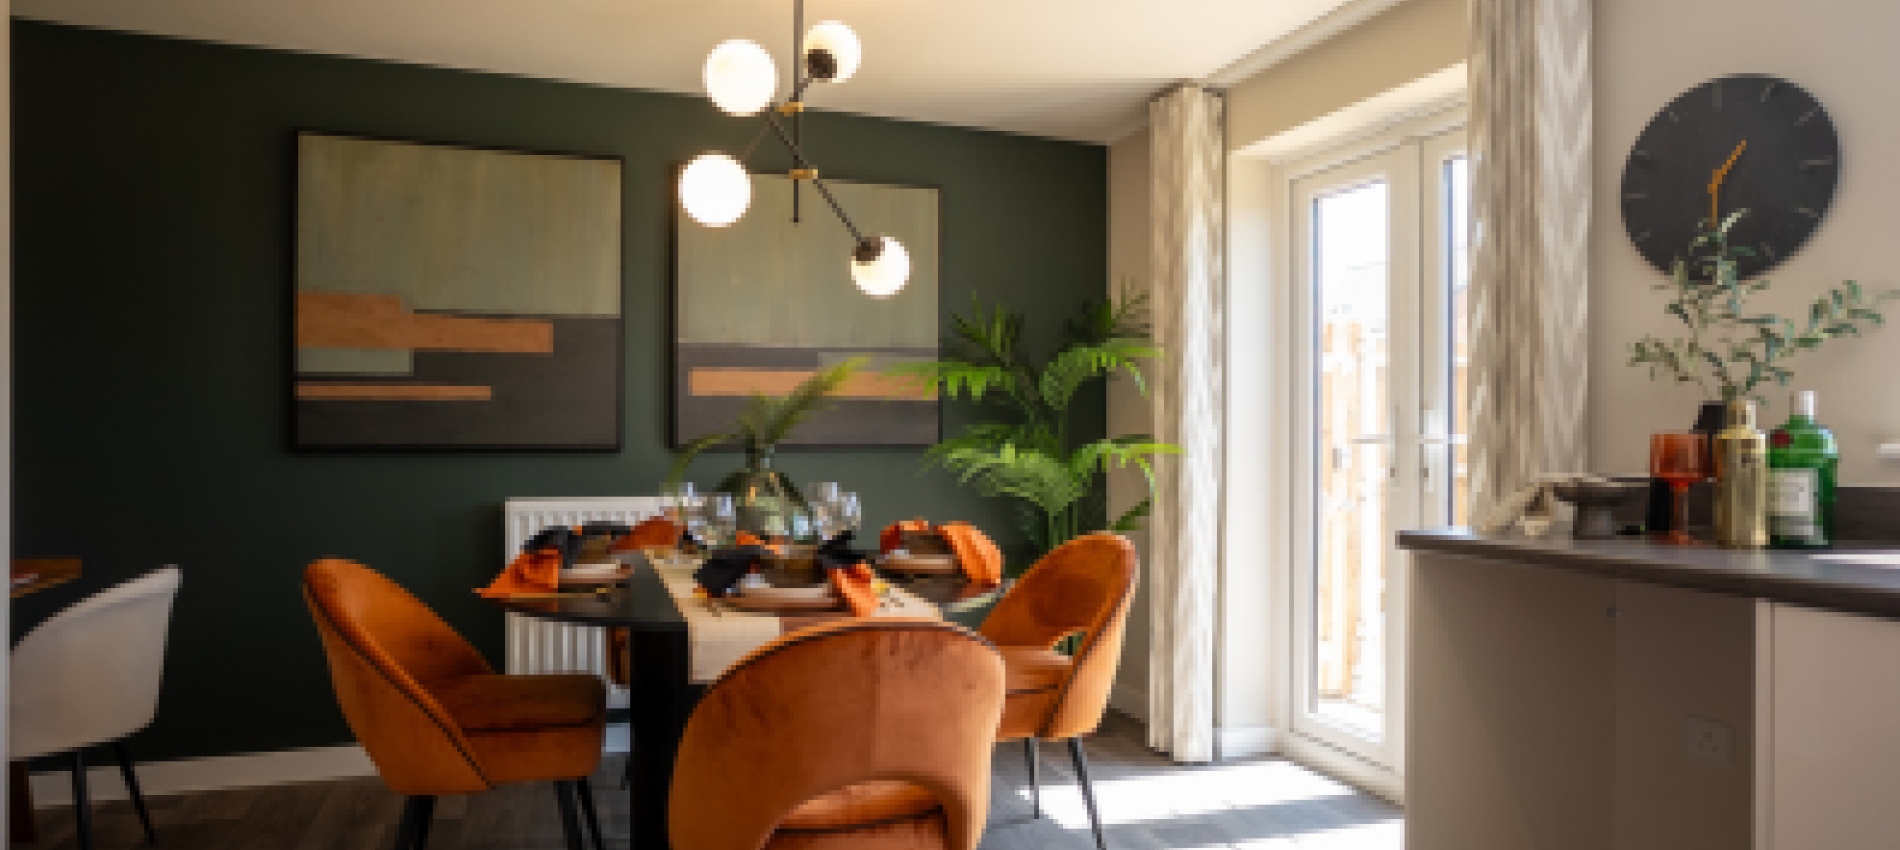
1378	340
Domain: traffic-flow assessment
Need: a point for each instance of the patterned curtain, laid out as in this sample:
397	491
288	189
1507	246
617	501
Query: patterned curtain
1530	214
1187	279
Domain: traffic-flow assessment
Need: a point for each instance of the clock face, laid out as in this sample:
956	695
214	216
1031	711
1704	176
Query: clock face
1784	176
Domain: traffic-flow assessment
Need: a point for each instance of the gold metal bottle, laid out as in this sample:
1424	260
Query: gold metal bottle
1741	481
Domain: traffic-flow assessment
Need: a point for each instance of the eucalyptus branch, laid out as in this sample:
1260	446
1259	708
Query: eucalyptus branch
1730	352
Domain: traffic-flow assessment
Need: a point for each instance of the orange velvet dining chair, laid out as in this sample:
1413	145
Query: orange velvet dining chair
865	734
436	719
1084	588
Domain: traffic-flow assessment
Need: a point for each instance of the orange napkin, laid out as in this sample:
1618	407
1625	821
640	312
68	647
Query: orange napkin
893	535
747	538
652	531
530	572
976	553
855	585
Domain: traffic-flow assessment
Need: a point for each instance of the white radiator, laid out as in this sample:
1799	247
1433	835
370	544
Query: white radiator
539	646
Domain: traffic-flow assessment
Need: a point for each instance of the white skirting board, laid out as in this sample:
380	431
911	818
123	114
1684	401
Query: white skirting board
1239	742
249	770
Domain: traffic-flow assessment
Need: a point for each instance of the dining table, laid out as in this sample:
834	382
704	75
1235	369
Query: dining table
660	624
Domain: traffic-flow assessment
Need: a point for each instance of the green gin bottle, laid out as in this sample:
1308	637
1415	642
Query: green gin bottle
1803	467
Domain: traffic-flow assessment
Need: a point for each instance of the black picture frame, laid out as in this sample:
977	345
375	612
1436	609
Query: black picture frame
815	211
604	405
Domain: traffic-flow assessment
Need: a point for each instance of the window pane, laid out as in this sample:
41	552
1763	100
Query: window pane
1351	248
1457	239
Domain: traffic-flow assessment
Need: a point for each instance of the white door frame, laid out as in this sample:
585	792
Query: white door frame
1291	429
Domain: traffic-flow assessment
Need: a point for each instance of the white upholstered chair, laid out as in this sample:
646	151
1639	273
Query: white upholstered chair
89	675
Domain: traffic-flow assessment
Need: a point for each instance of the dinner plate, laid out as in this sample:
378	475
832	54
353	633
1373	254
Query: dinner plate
770	604
766	591
929	564
595	573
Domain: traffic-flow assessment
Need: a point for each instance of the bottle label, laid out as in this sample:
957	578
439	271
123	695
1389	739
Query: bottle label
1793	503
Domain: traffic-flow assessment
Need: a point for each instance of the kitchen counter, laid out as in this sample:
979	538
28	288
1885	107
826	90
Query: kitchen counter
1585	695
1851	578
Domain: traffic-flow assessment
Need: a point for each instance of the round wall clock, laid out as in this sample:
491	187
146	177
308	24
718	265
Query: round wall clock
1748	141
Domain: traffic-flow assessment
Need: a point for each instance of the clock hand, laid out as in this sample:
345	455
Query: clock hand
1715	183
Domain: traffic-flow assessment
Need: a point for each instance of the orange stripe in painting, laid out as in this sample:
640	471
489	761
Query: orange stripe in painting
347	320
392	392
716	381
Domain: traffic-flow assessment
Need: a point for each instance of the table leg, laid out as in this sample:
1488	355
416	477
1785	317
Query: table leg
659	707
21	828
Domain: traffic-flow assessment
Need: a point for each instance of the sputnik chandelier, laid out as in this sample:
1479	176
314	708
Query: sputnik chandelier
742	80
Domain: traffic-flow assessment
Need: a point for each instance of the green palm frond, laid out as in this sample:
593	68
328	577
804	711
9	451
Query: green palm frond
1056	484
1076	365
766	421
779	417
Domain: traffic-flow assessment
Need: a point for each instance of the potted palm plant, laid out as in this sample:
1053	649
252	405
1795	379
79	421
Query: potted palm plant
1027	452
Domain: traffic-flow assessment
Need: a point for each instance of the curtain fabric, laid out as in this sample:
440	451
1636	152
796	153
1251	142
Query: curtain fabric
1187	283
1530	212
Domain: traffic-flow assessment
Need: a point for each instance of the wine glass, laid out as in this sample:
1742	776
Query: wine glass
718	520
822	498
850	515
1679	459
679	498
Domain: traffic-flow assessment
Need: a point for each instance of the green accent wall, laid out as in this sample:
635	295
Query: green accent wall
153	212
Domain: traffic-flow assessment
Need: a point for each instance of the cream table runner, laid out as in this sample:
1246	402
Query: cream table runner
720	635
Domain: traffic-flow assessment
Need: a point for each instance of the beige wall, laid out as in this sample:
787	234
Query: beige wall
1842	51
1402	44
1128	412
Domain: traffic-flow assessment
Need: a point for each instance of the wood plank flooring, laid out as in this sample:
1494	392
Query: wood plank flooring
1147	804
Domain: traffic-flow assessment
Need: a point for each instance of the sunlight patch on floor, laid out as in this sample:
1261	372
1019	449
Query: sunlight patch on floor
1187	793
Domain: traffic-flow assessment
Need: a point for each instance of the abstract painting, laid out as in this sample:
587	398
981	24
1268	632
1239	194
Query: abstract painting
764	302
455	298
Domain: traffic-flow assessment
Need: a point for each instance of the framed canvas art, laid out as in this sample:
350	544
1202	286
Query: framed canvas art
762	303
455	299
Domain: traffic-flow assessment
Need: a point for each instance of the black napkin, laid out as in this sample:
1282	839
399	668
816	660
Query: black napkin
605	528
837	554
559	538
726	567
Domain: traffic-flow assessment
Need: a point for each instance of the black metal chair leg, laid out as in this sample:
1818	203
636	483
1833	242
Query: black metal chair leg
1088	791
412	833
1035	780
584	791
424	819
570	821
82	804
132	790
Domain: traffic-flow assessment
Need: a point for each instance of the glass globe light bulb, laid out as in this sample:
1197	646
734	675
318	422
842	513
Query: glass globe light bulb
838	40
715	189
883	275
740	77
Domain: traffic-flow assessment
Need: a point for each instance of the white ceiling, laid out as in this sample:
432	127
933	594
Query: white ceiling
1070	69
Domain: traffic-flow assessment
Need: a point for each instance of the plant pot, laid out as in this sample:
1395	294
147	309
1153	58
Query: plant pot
767	502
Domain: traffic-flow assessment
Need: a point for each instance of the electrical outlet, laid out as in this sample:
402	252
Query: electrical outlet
1709	740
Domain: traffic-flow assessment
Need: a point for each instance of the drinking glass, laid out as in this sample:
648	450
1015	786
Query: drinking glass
679	498
1680	459
718	520
850	515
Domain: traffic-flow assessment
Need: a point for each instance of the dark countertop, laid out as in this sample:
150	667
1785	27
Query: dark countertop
1851	578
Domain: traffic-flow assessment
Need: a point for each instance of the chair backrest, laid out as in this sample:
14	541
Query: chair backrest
90	673
386	650
1086	585
856	701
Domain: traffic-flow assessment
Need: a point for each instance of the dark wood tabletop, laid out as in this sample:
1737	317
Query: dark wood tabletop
643	604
